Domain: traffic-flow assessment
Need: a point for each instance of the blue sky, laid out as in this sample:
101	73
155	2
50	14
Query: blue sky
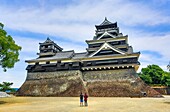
70	22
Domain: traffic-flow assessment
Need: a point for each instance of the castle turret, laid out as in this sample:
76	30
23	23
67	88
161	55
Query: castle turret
48	48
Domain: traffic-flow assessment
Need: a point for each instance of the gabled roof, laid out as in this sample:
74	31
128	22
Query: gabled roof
106	46
48	41
106	22
116	46
108	40
106	33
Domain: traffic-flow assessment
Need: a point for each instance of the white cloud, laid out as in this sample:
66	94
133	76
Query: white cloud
151	42
28	44
76	22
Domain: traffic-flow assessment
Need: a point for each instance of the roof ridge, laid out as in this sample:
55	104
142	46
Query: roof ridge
68	51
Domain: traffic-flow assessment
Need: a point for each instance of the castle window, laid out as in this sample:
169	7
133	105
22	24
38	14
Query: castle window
125	61
37	63
47	62
75	64
42	47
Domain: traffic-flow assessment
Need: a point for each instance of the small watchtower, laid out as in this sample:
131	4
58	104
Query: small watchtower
168	66
48	48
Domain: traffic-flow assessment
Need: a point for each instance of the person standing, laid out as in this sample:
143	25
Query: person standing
81	99
85	99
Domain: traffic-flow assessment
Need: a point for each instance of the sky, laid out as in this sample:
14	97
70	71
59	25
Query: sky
70	22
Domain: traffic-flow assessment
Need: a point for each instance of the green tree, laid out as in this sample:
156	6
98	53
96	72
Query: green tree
6	86
152	74
146	78
9	50
166	78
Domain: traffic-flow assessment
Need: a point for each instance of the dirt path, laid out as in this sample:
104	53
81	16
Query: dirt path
96	104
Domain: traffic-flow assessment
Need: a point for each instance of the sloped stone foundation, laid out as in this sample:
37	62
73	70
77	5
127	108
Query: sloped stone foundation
120	88
105	83
52	84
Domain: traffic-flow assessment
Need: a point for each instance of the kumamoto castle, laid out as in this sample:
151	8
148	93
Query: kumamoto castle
107	68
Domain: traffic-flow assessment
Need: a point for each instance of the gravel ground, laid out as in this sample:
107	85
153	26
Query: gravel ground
96	104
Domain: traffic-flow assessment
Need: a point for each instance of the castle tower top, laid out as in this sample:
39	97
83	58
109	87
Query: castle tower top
106	24
48	48
48	40
106	29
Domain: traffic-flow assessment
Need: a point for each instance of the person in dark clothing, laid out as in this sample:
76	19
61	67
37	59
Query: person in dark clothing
81	99
85	99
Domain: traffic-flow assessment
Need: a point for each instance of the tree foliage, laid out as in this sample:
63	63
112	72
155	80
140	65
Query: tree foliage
153	74
166	78
6	86
9	50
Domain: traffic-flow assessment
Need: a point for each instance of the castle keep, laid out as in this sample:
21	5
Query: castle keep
107	68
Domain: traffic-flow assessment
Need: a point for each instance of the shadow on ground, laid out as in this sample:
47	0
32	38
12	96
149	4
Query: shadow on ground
2	102
167	102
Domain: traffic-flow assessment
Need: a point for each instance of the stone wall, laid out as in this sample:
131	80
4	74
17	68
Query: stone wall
61	83
122	82
120	88
49	75
109	74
